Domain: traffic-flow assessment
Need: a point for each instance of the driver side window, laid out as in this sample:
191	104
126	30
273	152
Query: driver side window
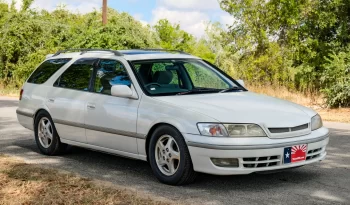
109	73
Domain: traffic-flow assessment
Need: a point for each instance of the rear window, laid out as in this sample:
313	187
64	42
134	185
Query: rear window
46	70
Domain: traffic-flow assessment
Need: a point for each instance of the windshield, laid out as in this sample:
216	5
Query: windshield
177	77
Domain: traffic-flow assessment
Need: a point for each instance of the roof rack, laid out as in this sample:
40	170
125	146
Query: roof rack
164	50
84	50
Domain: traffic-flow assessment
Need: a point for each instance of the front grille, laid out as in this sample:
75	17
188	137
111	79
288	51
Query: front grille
279	130
253	162
311	154
301	127
289	129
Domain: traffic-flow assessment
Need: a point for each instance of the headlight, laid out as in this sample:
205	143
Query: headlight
243	130
316	122
231	130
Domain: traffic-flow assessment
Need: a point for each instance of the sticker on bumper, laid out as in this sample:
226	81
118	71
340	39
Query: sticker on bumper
296	153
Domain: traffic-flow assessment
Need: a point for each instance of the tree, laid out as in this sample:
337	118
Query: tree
307	31
27	36
172	37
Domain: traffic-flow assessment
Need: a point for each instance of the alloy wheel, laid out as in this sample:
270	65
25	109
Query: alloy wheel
167	155
45	132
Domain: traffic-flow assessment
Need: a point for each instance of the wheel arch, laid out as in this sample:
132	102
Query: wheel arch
150	132
37	112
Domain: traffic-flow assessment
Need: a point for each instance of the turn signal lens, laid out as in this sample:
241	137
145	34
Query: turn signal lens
215	130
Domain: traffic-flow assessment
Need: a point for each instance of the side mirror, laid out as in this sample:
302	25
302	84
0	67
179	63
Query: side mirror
241	82
121	91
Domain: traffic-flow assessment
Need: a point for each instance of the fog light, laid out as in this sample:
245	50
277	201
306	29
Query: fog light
225	162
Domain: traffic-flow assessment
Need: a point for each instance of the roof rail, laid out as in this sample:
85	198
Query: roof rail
165	50
84	50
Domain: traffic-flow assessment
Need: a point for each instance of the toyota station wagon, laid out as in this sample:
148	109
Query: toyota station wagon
178	112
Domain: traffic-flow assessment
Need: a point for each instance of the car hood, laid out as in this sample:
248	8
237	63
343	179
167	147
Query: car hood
244	107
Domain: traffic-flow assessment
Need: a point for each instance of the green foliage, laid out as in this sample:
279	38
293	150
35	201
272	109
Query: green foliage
172	37
27	36
291	43
298	44
336	79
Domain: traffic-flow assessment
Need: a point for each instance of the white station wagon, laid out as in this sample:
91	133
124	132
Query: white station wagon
178	112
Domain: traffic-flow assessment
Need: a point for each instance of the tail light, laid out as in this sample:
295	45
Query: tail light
20	94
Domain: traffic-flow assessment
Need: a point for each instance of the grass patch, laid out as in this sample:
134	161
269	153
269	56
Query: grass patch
9	91
22	183
335	115
309	100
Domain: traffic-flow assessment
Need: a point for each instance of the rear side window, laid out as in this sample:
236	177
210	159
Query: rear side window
46	70
78	75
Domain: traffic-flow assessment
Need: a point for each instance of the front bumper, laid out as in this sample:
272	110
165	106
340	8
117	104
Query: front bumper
253	157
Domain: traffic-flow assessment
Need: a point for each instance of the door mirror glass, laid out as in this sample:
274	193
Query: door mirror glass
121	91
241	82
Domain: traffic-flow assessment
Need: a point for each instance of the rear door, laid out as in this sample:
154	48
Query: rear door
68	98
111	121
35	88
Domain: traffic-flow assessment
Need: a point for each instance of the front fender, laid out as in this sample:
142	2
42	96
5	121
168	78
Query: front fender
152	111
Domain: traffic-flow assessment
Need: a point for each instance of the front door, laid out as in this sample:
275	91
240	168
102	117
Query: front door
111	121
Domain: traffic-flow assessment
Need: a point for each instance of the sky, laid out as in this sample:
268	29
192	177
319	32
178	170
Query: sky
192	15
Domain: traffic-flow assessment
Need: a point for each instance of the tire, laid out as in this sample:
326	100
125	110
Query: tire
184	173
54	145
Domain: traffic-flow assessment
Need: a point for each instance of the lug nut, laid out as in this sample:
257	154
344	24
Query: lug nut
169	155
167	149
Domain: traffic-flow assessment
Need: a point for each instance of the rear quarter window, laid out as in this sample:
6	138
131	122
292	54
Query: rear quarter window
46	70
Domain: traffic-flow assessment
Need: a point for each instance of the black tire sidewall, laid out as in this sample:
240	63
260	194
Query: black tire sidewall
55	139
168	130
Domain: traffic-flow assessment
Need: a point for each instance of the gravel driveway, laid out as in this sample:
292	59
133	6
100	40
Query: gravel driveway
327	182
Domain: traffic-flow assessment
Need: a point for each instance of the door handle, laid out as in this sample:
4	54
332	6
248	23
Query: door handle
91	106
51	100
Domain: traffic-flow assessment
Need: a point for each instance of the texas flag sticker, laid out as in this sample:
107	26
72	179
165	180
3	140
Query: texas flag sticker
293	154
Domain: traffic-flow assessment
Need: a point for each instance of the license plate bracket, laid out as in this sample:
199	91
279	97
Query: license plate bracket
293	154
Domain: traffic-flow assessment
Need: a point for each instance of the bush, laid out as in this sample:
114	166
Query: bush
27	36
336	79
338	95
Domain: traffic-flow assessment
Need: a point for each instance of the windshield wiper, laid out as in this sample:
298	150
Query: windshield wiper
200	90
231	89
